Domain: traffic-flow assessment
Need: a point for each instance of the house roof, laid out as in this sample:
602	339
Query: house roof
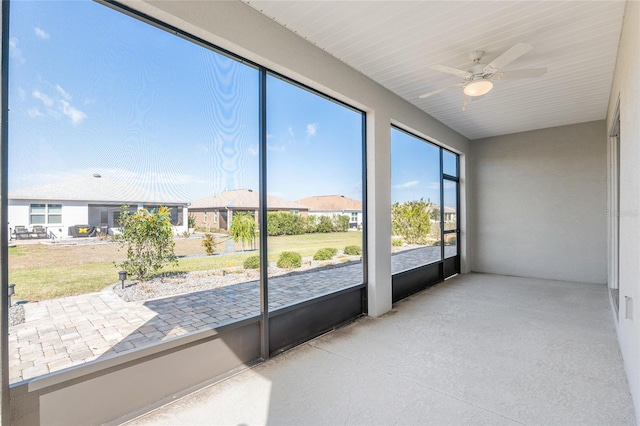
244	199
447	209
95	189
331	203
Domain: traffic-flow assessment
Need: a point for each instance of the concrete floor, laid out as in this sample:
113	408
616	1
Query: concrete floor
478	349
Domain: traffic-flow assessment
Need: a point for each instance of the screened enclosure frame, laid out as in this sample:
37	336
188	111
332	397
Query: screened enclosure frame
311	317
420	277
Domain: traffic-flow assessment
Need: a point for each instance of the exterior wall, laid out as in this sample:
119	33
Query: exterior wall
541	203
73	213
240	29
358	222
626	91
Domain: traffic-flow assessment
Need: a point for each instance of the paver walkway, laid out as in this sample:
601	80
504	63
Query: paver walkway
64	332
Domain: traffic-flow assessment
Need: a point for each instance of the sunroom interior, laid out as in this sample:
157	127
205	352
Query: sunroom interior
544	179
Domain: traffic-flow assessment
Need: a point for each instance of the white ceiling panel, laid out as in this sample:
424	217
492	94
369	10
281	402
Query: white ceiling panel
395	43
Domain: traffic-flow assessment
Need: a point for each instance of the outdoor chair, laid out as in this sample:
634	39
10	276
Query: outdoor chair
40	231
21	233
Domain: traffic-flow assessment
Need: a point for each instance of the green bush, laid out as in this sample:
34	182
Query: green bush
325	254
325	224
396	243
341	223
209	243
289	260
252	262
353	250
285	223
311	223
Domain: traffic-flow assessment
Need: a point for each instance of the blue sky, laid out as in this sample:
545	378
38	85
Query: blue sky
95	91
415	170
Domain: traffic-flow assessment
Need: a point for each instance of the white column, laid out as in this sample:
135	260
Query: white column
379	213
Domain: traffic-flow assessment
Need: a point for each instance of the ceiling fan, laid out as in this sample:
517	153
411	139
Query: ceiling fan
478	80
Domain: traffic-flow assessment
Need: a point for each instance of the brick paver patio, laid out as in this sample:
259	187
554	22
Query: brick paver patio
64	332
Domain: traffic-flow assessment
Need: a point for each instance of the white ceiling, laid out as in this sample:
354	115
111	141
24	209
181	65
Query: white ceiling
395	43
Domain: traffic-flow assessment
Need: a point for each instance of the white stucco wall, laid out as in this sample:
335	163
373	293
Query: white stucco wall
540	203
240	29
73	213
626	89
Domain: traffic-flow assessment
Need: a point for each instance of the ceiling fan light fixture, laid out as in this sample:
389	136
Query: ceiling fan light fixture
478	87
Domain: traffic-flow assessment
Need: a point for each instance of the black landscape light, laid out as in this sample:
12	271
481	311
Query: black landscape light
122	275
11	292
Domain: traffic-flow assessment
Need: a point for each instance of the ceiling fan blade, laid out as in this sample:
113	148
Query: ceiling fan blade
509	56
451	70
435	92
513	75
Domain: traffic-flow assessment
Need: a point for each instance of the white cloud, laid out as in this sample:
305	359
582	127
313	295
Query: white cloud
46	100
406	185
75	115
42	33
59	107
275	148
34	112
291	132
14	50
63	92
312	128
22	93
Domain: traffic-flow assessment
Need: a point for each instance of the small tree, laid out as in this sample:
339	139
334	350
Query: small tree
148	236
243	228
411	220
209	243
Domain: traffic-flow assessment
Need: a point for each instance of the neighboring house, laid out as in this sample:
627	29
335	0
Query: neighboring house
329	205
217	211
94	201
449	213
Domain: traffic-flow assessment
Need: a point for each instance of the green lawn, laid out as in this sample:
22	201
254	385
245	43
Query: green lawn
44	272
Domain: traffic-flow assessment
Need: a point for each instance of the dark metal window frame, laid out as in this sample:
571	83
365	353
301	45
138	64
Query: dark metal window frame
324	319
413	280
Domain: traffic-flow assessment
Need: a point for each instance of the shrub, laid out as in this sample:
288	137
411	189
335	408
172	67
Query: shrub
325	224
285	223
311	224
252	262
341	223
148	237
353	250
191	221
209	243
289	260
325	254
396	243
450	241
411	220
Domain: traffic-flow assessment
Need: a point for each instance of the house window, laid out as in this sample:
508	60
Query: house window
294	211
54	213
43	214
354	216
